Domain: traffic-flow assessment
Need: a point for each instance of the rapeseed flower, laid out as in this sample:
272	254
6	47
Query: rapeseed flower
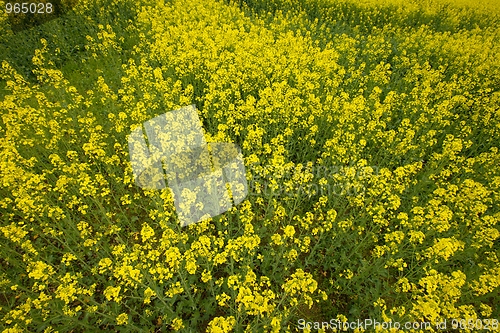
370	136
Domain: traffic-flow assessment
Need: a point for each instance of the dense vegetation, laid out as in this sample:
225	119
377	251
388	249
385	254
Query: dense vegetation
370	132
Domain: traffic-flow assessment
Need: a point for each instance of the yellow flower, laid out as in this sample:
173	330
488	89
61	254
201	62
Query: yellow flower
112	292
275	325
301	283
175	289
67	258
292	255
289	231
147	232
221	325
40	271
222	299
206	276
122	319
177	324
148	293
444	248
191	265
104	264
14	232
276	238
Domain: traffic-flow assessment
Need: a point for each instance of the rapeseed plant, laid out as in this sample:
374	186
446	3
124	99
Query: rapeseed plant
370	134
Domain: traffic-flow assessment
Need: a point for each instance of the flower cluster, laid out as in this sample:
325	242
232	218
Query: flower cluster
370	133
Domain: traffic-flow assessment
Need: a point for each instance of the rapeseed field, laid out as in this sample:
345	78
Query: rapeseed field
370	133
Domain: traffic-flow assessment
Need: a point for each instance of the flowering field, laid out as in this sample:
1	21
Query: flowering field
370	133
